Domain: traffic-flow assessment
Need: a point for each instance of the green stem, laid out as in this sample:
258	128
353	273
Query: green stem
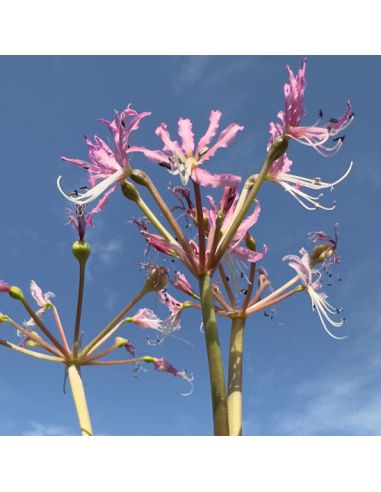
44	329
81	285
37	355
101	337
79	398
216	368
235	377
252	187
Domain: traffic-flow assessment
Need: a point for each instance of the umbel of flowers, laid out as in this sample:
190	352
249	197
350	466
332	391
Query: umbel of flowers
222	258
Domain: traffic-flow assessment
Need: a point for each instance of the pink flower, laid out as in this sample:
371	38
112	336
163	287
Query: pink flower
80	219
314	136
180	282
146	318
107	166
172	323
319	299
330	243
163	365
4	287
184	160
295	185
42	300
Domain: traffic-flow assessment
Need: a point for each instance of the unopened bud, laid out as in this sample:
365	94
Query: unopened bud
156	280
320	254
140	177
3	318
81	250
250	242
16	293
32	343
277	149
129	191
124	343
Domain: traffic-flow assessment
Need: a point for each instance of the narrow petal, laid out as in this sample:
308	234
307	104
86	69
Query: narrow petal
187	136
152	155
169	145
223	141
214	121
204	178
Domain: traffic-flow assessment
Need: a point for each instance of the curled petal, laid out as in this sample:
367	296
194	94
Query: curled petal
169	145
223	141
186	134
214	121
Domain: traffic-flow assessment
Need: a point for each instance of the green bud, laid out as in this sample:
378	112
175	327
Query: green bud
121	342
3	318
129	191
187	304
250	242
156	280
320	254
140	177
16	293
32	343
81	250
277	149
148	359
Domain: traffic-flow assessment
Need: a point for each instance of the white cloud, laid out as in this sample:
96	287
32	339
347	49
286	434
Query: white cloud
107	251
38	429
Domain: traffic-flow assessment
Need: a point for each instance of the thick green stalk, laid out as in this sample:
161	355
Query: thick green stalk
80	401
81	286
235	377
216	368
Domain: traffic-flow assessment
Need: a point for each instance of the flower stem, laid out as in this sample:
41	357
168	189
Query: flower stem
235	377
81	286
60	328
216	368
79	398
44	329
103	335
200	225
32	353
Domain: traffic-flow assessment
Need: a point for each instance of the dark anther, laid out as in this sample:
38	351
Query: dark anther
339	139
241	274
83	188
227	278
86	167
172	260
244	291
165	164
320	113
333	120
123	124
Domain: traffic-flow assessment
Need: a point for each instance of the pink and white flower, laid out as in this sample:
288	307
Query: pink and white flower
184	160
42	300
319	300
295	185
146	318
107	167
162	365
314	136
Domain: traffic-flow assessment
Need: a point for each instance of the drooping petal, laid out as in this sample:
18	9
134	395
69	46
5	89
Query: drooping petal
152	155
204	178
214	121
224	140
146	318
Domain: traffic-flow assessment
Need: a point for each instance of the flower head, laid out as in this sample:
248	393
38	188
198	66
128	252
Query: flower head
302	266
146	318
162	365
327	251
42	300
184	160
315	136
107	167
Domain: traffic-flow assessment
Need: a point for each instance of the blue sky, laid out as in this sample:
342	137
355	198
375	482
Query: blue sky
297	380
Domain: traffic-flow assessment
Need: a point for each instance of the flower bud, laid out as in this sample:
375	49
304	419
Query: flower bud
81	250
140	177
16	293
157	279
3	318
32	343
277	149
129	191
320	254
250	242
123	342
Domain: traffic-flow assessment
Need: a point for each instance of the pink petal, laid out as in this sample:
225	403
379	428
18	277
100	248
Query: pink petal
204	178
247	223
224	140
77	162
169	145
152	155
247	254
186	134
100	206
214	120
